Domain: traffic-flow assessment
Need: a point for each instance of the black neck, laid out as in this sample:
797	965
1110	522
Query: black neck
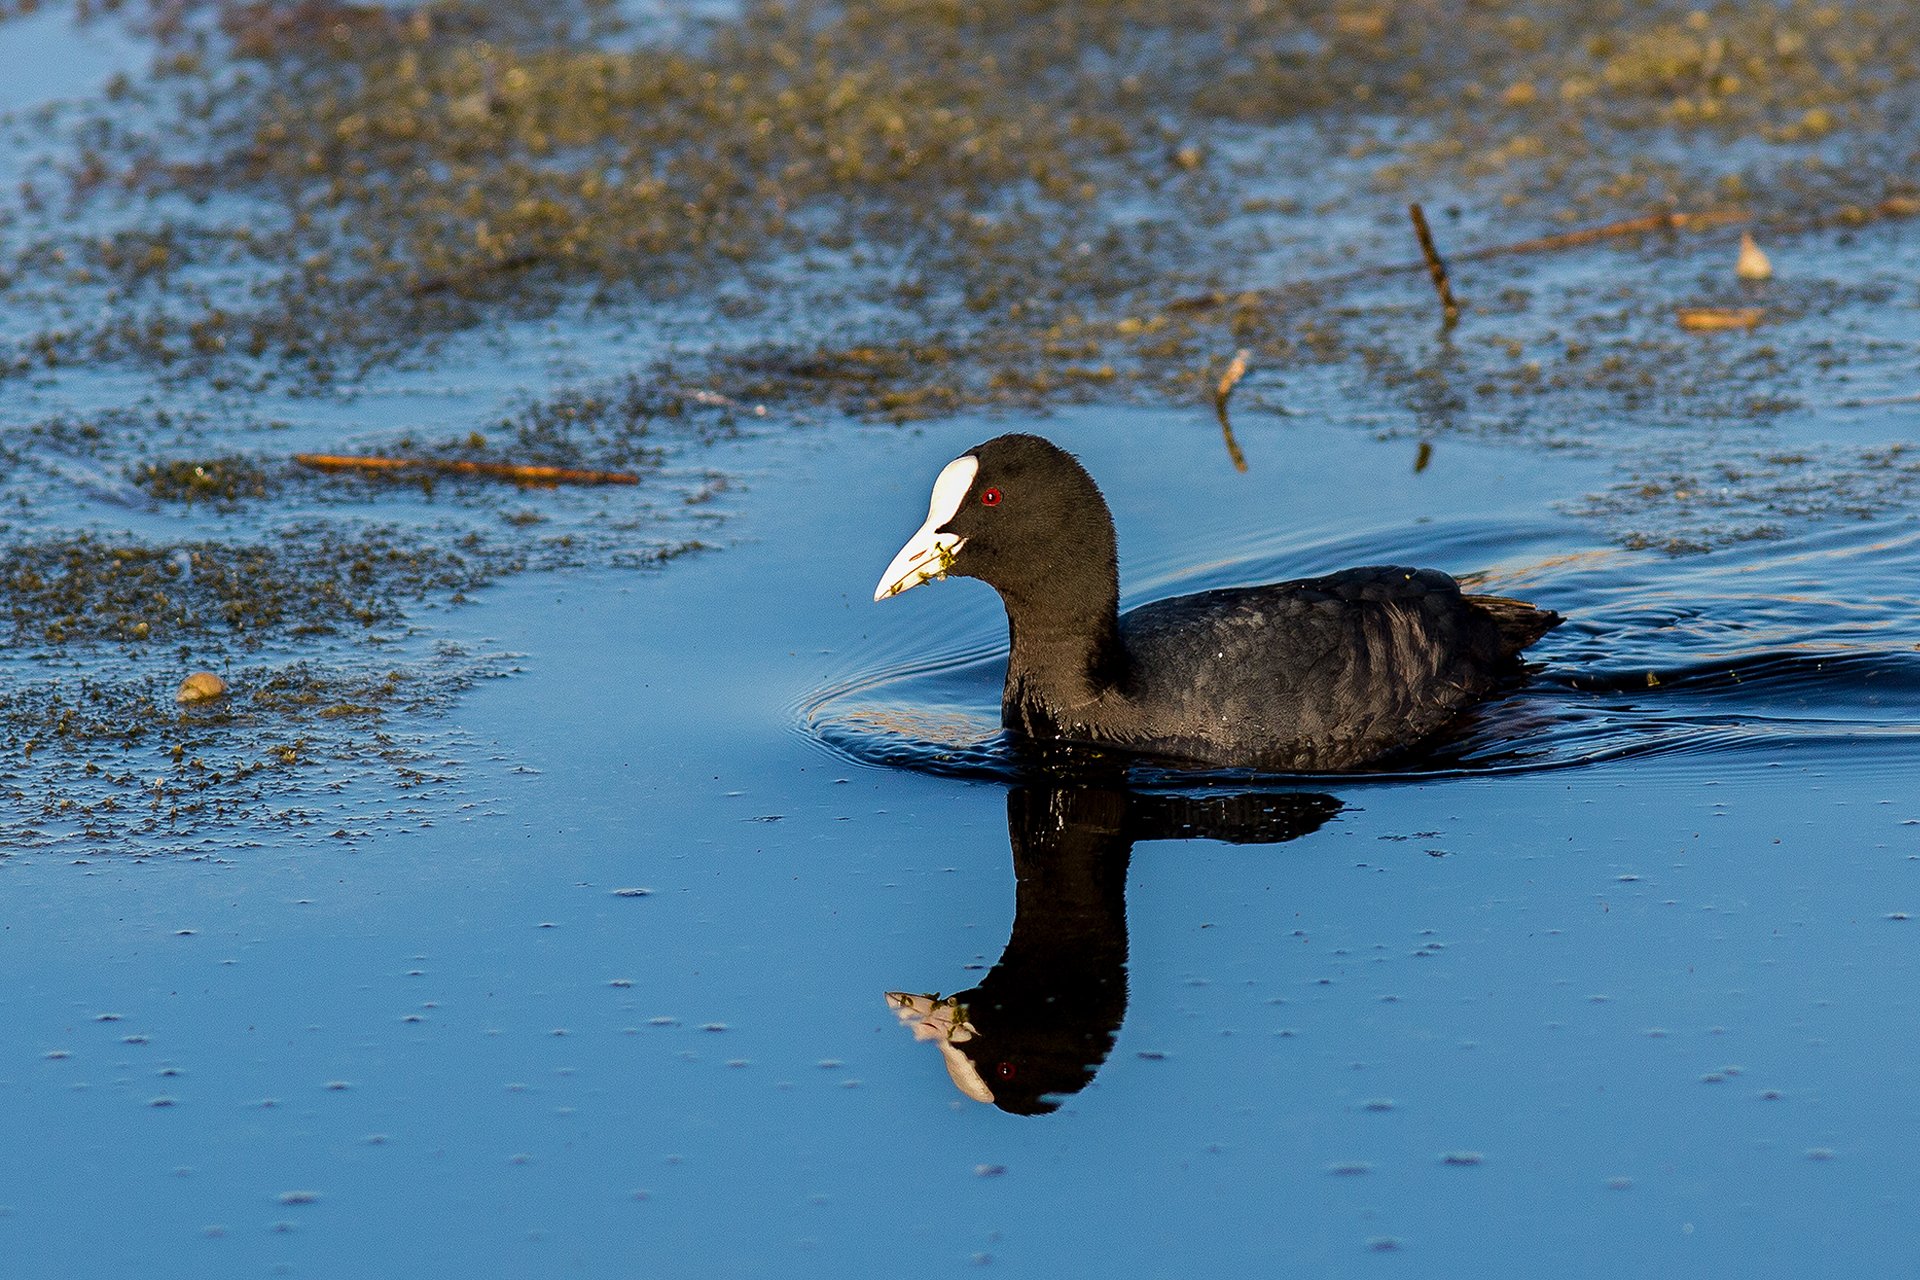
1064	650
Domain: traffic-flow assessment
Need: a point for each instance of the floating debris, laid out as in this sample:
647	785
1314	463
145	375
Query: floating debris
1754	263
518	473
1228	381
1231	378
201	686
1436	266
1712	319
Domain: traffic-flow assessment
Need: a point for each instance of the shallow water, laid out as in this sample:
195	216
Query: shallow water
1650	1011
606	975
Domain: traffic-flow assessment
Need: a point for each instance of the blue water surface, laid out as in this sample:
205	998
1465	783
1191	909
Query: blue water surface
1644	1016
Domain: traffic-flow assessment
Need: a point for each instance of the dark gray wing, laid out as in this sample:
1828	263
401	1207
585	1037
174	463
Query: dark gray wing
1315	674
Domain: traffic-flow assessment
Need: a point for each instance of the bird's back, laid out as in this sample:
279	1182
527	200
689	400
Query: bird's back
1320	673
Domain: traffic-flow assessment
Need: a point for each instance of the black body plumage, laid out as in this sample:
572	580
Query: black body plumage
1318	674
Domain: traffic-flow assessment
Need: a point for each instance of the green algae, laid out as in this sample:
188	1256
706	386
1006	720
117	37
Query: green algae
1697	505
309	581
113	759
231	479
990	168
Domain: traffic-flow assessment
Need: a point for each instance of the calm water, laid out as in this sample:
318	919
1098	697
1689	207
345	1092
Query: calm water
1652	1011
1619	981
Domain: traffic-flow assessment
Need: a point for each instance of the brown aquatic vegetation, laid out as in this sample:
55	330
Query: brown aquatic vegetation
990	167
309	581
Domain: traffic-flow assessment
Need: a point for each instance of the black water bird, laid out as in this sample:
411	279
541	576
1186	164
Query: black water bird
1311	675
1044	1018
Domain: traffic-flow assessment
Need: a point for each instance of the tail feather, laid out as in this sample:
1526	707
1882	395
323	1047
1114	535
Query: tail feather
1520	623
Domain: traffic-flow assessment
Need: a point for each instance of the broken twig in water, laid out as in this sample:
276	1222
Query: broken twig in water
1228	381
1877	402
1893	207
518	473
1624	229
1646	224
1436	266
1710	319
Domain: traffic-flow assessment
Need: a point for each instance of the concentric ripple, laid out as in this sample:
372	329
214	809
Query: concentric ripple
1734	659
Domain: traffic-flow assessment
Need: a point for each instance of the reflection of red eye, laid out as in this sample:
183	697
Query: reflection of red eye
1006	1071
991	498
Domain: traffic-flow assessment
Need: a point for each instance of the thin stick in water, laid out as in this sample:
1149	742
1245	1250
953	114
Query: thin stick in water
1228	381
1449	308
1875	402
519	473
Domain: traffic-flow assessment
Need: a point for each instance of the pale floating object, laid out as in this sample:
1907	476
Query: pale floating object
1228	381
201	686
1753	264
1231	378
1709	319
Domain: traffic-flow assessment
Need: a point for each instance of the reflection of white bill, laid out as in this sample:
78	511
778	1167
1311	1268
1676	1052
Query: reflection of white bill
943	1021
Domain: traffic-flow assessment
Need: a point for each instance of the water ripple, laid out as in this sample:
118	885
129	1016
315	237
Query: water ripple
1705	663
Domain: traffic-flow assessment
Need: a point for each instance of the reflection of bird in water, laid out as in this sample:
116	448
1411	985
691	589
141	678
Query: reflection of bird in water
1044	1018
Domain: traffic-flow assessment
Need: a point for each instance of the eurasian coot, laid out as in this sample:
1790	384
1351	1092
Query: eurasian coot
1317	674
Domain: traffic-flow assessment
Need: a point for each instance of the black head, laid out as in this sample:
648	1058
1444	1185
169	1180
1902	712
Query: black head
1021	514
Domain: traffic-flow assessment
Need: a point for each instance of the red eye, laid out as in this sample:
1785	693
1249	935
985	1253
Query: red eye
1006	1071
990	498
